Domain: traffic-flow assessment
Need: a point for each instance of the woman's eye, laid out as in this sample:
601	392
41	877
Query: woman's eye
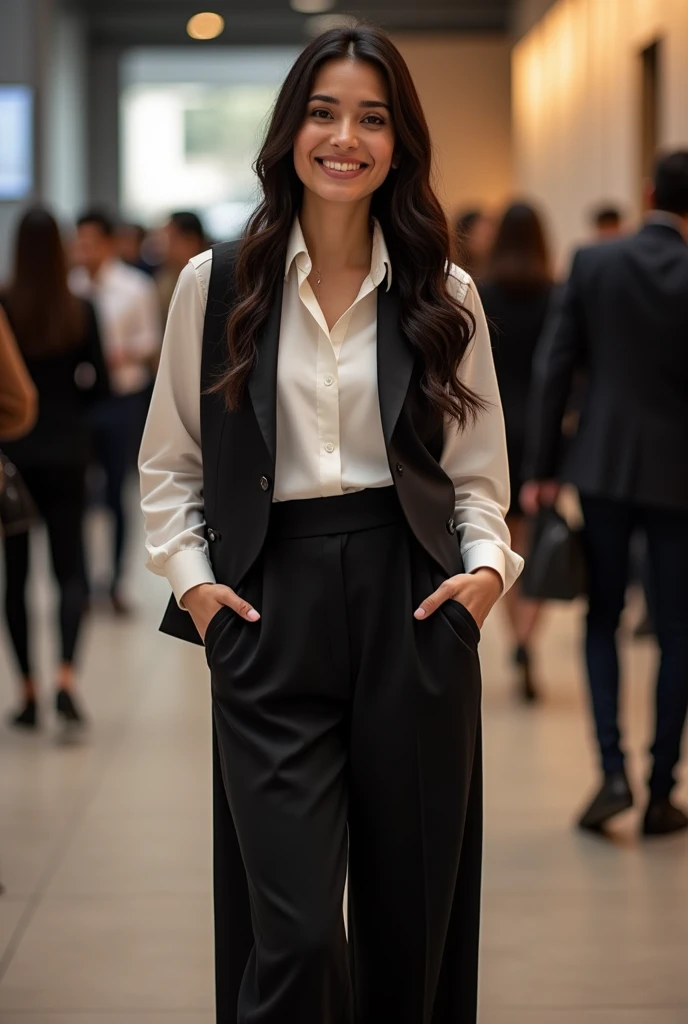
320	114
373	119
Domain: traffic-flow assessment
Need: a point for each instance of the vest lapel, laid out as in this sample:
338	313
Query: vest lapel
395	360
262	382
394	365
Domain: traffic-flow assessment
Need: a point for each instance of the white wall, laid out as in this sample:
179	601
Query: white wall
464	86
576	104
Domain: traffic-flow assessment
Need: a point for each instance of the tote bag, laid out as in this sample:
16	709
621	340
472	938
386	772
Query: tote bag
555	569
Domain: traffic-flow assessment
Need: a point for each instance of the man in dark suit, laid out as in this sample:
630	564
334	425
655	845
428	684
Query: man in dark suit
623	319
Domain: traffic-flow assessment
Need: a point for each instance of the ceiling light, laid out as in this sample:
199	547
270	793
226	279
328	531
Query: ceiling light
312	6
205	25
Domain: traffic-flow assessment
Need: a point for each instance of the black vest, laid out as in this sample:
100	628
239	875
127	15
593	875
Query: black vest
238	447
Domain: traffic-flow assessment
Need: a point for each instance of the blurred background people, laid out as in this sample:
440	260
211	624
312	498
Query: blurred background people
516	293
607	223
58	336
183	238
131	240
473	236
126	303
625	317
18	399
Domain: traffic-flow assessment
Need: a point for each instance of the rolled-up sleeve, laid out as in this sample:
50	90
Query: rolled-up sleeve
170	463
476	458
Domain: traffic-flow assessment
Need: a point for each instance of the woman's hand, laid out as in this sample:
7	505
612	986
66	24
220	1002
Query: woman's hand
477	591
205	600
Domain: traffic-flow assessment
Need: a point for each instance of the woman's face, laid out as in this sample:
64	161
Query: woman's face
344	149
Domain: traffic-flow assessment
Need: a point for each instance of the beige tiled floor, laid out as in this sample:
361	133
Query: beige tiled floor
105	853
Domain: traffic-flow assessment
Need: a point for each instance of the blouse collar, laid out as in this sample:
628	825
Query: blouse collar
380	263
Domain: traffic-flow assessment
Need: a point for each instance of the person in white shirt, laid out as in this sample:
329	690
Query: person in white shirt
126	303
324	480
183	237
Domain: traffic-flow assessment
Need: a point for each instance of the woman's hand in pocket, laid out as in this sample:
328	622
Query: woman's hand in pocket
204	602
478	592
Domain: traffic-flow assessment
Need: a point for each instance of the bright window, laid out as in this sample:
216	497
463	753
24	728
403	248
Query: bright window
191	129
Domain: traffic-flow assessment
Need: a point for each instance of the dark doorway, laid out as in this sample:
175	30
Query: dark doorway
650	112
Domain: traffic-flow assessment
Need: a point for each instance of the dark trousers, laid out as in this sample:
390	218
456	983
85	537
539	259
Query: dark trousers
116	427
59	493
345	732
609	526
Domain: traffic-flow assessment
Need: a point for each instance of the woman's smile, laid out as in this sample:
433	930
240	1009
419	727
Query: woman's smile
337	168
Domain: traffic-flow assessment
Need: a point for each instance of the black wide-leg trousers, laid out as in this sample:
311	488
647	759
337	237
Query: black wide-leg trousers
346	733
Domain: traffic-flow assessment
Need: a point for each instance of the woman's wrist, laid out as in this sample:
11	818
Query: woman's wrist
490	576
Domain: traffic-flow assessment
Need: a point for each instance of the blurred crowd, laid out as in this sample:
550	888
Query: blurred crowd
509	255
81	324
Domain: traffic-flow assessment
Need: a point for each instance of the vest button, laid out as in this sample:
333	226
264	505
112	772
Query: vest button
212	536
400	468
264	483
451	526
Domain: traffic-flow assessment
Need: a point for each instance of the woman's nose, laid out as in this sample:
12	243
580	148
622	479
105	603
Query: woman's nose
345	136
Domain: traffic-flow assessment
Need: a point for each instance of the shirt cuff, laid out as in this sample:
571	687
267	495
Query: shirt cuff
186	569
485	556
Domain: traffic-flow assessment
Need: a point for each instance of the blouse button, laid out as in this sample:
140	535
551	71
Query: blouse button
329	381
329	447
264	483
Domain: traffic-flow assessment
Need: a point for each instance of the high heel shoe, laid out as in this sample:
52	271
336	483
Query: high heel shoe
27	718
526	686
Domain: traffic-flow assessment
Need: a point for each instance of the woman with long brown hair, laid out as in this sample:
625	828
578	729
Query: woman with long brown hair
58	338
516	296
324	480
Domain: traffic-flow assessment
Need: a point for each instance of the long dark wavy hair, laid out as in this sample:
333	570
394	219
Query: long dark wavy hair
46	318
415	228
520	260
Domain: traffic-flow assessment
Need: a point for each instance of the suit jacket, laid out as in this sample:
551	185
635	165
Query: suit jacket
238	447
623	320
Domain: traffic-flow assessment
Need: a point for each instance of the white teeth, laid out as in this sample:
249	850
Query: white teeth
332	166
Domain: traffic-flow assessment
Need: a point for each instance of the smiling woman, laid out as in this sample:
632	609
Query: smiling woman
334	130
324	481
377	118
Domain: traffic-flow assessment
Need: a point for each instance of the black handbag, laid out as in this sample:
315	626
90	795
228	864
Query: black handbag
556	567
18	512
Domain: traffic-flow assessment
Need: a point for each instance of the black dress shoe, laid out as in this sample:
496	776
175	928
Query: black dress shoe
662	818
526	686
27	718
614	797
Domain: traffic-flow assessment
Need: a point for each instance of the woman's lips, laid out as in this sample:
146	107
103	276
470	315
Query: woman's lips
332	171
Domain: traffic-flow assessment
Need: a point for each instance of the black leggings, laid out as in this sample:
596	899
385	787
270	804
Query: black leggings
59	493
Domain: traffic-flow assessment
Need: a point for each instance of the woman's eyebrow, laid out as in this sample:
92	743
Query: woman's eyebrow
364	103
